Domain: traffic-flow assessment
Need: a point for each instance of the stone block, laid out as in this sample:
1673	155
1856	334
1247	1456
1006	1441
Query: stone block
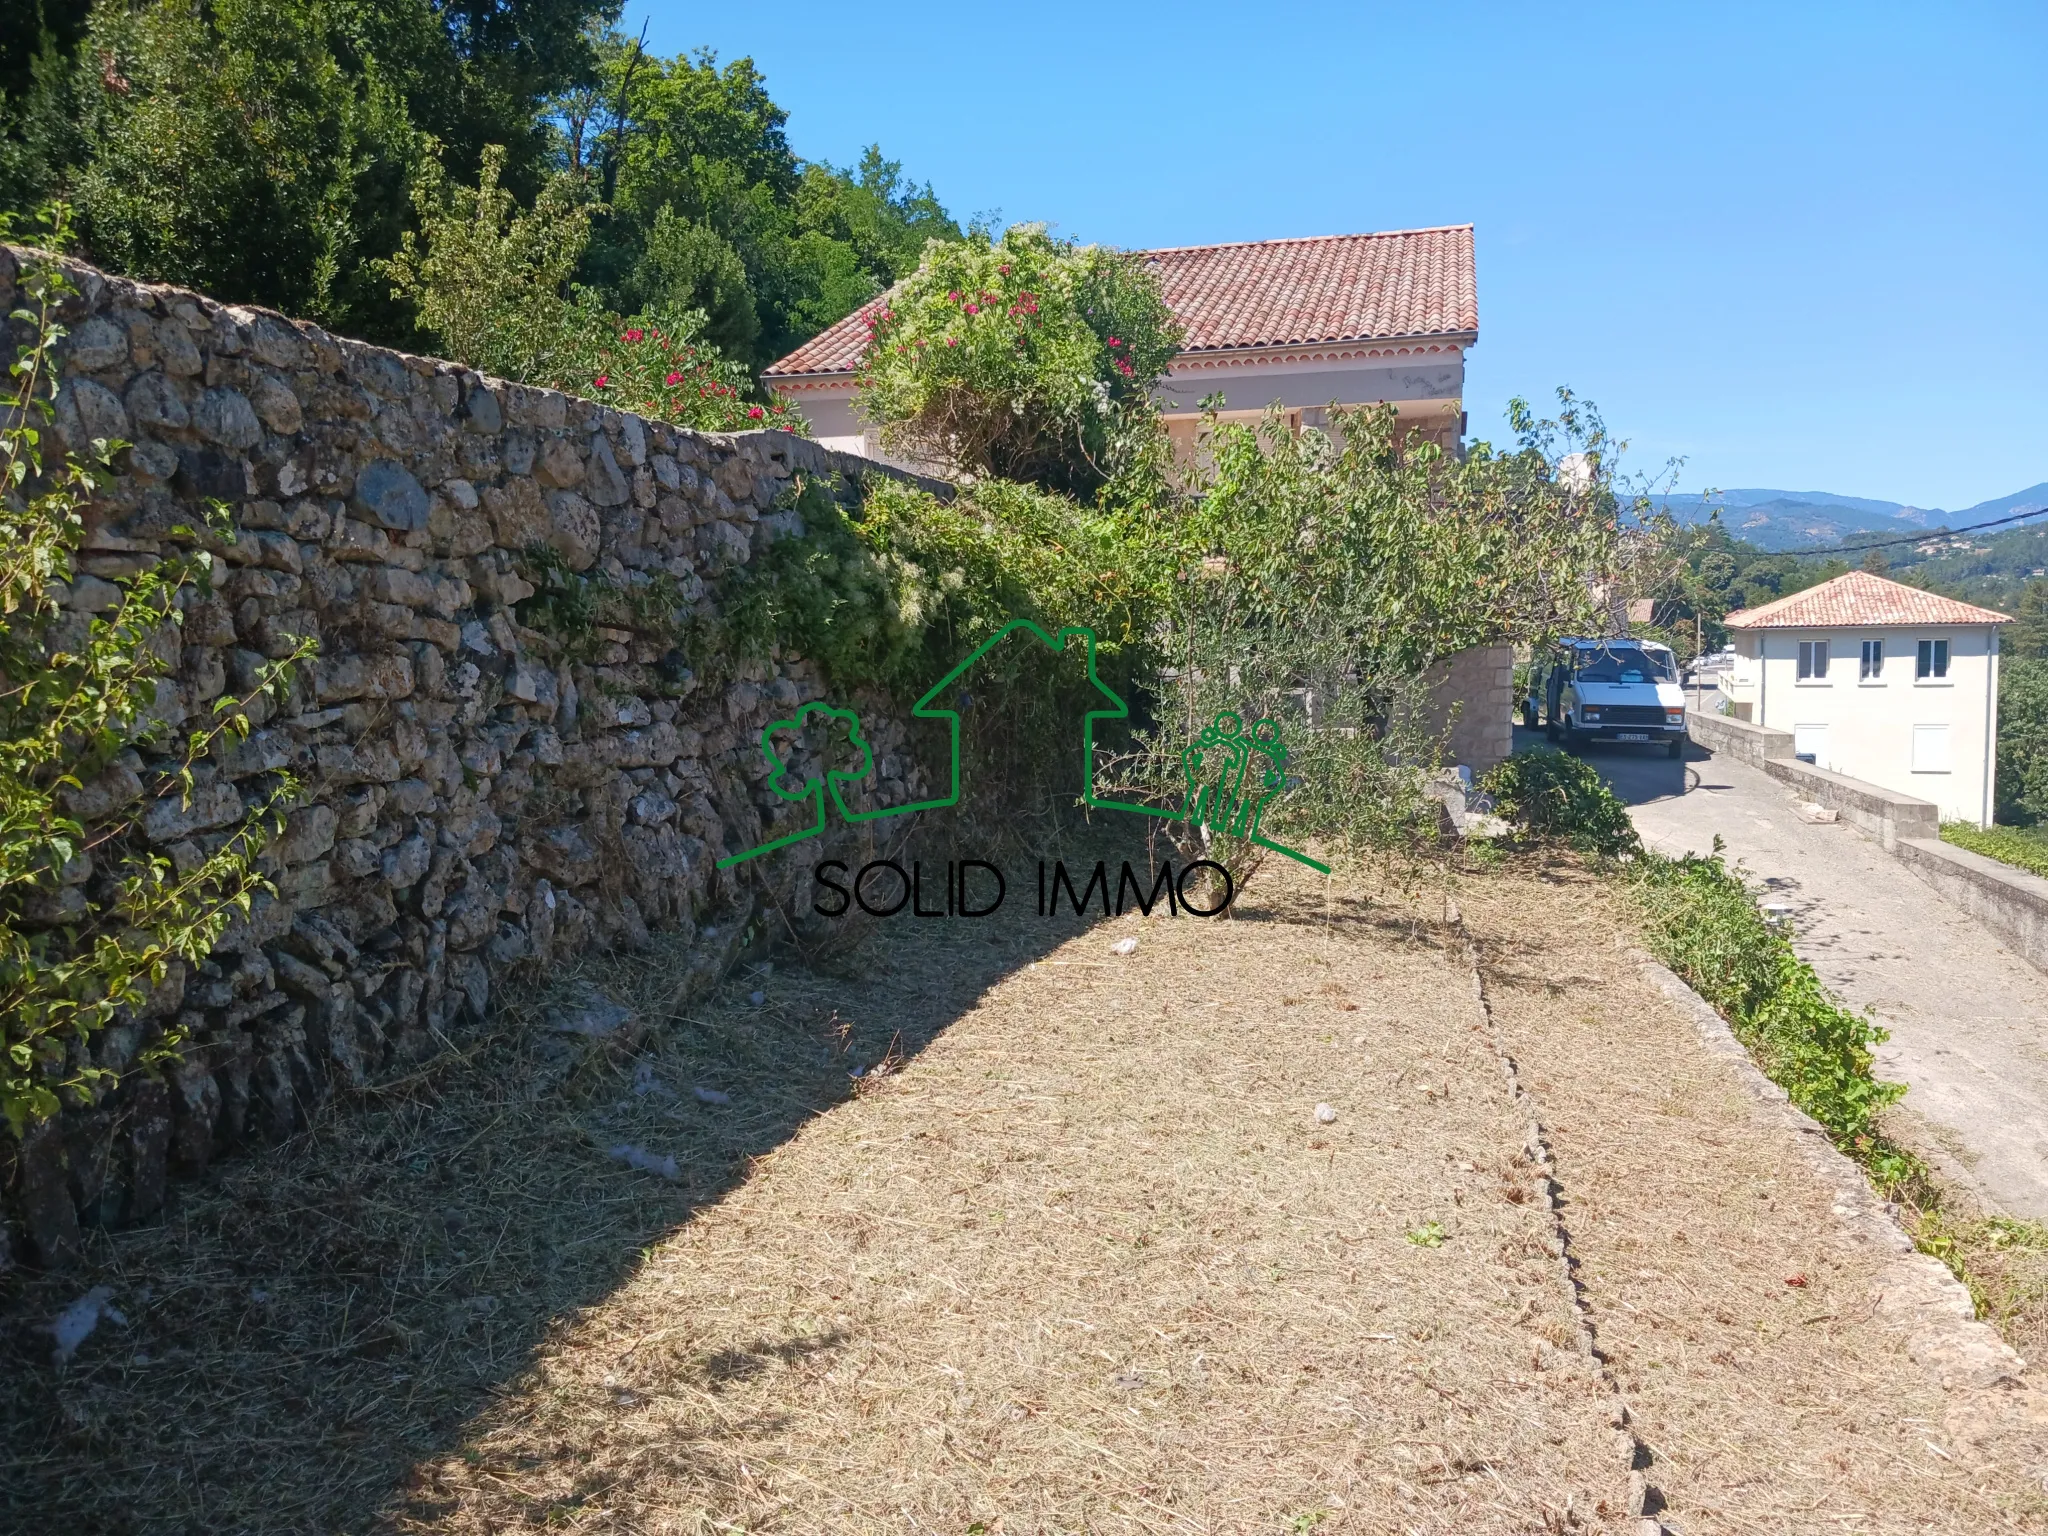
387	495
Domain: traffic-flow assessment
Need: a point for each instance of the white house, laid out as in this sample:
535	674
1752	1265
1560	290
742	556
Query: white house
1879	681
1333	319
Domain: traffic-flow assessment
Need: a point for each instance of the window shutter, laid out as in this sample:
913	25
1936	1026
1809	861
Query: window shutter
1930	749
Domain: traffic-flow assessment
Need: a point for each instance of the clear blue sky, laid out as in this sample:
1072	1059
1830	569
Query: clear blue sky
1802	246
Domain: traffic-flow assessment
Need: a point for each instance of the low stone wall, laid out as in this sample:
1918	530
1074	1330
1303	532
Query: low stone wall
1726	736
2010	902
1470	704
1885	814
473	797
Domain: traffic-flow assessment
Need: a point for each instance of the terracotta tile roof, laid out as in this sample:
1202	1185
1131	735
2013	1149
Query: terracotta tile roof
1412	282
1860	600
1262	293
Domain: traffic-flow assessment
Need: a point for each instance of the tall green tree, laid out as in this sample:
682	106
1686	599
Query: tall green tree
701	187
264	149
38	60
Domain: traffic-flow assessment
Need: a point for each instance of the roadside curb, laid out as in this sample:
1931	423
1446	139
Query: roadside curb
1983	1375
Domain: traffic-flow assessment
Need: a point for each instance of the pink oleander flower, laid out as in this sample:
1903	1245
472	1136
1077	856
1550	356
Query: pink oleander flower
973	309
1114	342
673	379
952	295
952	341
603	380
636	334
1004	269
756	414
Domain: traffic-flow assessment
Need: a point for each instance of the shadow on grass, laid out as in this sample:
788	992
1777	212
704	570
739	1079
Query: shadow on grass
310	1323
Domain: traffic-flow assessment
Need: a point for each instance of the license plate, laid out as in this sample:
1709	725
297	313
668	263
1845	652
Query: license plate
1631	735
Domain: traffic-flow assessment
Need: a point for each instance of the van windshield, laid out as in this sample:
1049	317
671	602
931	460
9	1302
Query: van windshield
1626	664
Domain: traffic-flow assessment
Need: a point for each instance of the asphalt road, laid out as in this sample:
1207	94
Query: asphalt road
1968	1018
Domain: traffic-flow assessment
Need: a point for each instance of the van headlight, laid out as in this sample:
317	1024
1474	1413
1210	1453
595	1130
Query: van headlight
1591	716
1674	717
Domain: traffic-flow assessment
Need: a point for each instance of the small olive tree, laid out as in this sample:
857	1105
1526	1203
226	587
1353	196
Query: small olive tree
493	281
1319	575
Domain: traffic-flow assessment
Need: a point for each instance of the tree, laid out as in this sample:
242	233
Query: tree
38	61
492	283
693	162
263	149
2028	634
490	280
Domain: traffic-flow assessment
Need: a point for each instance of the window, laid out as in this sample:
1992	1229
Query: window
1930	748
1627	664
1813	661
1932	660
1872	664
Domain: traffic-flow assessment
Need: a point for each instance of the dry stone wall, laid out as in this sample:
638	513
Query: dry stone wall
473	797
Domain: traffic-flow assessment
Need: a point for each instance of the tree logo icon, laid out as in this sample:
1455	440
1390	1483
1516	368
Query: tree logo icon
1232	774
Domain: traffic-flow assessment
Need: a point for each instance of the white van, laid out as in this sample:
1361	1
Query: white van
1608	690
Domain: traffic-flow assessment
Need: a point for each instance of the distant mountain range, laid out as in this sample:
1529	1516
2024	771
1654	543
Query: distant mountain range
1808	519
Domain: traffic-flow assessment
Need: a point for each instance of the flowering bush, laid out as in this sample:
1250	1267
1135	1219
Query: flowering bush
663	369
490	281
1022	359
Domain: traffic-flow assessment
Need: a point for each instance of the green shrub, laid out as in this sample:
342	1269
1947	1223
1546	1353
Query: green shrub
2022	847
1555	795
492	282
1022	359
1703	922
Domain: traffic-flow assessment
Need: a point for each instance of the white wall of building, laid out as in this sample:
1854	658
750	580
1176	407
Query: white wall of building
1932	738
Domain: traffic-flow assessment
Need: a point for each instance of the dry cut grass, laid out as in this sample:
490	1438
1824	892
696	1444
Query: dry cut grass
1741	1322
1090	1262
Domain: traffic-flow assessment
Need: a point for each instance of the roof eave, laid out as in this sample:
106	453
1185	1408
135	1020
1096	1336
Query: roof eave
1254	350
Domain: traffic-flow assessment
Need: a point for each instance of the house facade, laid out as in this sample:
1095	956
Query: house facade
1304	324
1879	681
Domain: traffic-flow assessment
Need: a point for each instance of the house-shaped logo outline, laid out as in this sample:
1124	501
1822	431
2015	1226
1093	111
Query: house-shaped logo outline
925	709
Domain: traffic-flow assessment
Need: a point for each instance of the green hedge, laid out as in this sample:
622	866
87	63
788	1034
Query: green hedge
2023	848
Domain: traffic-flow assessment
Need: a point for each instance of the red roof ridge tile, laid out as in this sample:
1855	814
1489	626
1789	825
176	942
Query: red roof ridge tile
1367	234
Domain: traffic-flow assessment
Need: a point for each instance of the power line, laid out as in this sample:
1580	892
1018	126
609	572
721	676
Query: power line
1916	538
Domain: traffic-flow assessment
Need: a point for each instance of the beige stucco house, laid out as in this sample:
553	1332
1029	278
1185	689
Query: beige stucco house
1343	319
1302	324
1879	681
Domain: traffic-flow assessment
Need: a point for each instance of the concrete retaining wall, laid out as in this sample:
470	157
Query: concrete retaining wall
1726	736
1885	814
2010	902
